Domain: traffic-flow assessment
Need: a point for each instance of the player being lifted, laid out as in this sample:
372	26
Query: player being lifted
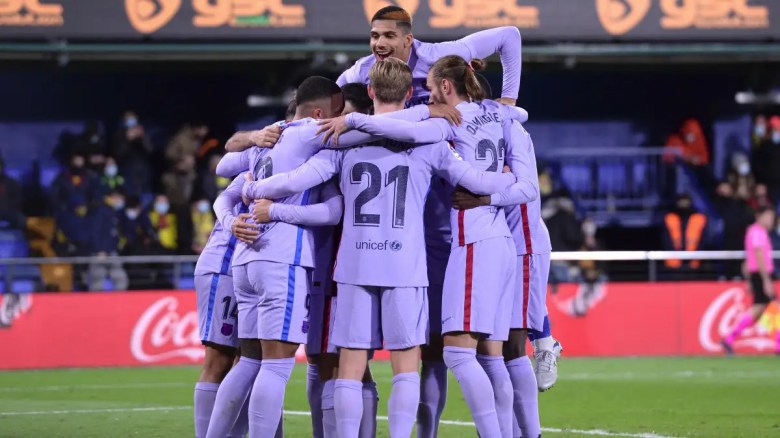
384	187
476	305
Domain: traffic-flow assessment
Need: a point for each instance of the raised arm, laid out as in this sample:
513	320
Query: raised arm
522	162
327	212
450	166
425	132
505	41
318	169
233	163
242	140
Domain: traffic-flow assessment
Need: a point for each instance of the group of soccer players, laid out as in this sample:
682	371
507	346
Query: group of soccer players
416	229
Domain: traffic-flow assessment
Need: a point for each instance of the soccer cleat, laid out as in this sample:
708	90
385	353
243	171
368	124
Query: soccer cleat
727	347
547	366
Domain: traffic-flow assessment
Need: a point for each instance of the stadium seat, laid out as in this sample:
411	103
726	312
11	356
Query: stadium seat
577	177
611	177
13	244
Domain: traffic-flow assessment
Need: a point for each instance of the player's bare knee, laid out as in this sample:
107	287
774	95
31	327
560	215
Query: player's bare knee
278	349
490	348
461	340
217	363
434	350
405	361
352	364
515	347
251	349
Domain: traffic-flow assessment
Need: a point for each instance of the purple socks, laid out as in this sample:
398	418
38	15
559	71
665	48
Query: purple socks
267	400
205	394
314	394
526	400
232	394
348	398
433	396
476	388
502	390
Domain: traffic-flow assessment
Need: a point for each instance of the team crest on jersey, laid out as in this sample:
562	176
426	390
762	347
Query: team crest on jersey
305	327
227	329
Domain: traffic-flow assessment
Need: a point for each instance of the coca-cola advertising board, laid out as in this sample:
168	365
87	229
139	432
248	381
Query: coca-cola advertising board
161	327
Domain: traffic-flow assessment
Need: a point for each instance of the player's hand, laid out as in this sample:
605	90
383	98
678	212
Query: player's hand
333	128
507	169
507	101
447	112
244	231
262	211
249	179
266	137
769	288
465	200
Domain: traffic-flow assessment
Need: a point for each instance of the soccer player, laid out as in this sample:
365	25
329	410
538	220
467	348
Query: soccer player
379	181
391	36
759	263
481	315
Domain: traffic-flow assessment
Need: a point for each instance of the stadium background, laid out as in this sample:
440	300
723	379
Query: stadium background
608	85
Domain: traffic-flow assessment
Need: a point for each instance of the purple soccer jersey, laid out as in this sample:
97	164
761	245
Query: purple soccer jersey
384	189
480	140
505	41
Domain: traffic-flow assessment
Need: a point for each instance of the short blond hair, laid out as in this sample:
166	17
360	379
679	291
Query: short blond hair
390	79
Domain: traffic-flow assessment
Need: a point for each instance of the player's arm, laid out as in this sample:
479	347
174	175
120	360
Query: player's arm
242	140
450	166
318	169
233	163
425	132
223	209
506	41
522	163
326	212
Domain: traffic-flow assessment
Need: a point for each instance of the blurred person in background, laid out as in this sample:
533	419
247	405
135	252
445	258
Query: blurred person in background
760	267
209	184
591	275
10	200
691	141
760	132
289	113
137	236
178	186
110	179
92	144
683	231
133	152
76	188
186	142
565	235
770	158
202	224
736	215
104	227
775	236
760	197
740	176
164	222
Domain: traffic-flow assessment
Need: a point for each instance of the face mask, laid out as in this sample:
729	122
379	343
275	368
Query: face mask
760	130
131	122
111	170
775	137
203	206
743	168
690	138
161	207
589	228
132	214
118	205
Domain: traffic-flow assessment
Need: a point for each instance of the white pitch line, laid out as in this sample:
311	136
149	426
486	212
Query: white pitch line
591	432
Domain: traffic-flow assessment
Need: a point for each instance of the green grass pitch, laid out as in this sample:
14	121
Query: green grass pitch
642	398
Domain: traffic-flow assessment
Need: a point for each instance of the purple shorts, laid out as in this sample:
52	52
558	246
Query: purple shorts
530	293
479	288
217	309
321	315
370	317
272	301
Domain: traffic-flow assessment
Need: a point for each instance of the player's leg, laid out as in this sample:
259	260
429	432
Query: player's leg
356	330
433	373
404	329
282	324
521	371
462	330
315	305
235	388
760	303
328	369
370	404
495	262
217	326
547	349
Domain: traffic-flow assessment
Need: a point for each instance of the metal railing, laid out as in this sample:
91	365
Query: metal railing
10	266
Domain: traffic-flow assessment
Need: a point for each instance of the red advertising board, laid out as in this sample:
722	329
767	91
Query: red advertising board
161	327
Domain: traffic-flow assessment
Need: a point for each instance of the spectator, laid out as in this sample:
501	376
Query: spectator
179	182
684	230
691	141
740	177
770	158
186	142
75	190
10	200
202	224
136	234
775	236
133	152
104	227
592	277
92	144
565	234
164	223
736	215
211	185
759	135
111	179
760	197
